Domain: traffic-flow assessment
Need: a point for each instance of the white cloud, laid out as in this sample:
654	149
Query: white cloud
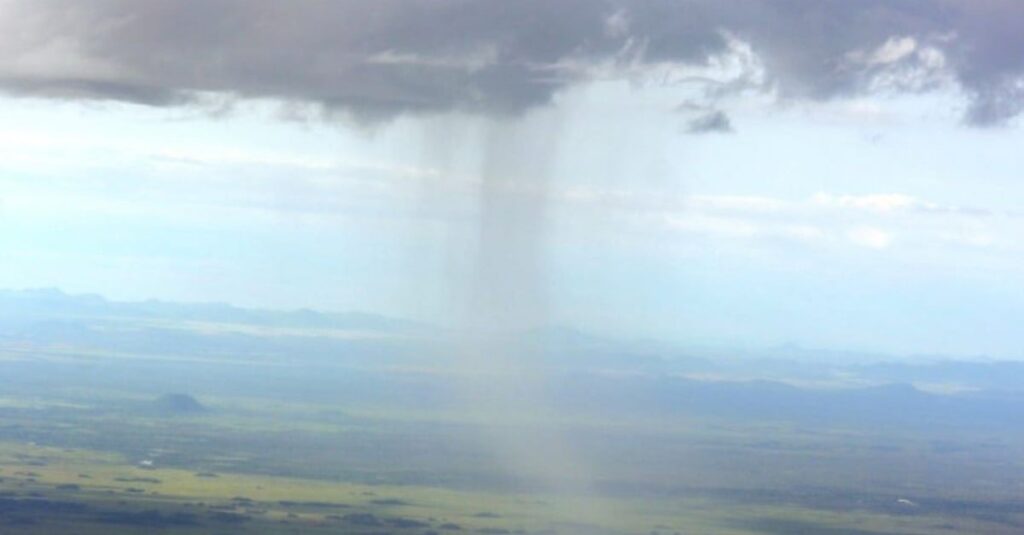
914	230
871	237
882	202
747	203
617	24
903	63
192	183
893	50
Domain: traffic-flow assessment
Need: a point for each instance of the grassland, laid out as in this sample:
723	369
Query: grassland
49	490
254	467
307	434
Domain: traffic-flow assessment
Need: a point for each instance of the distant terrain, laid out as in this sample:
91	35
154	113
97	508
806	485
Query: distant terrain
122	417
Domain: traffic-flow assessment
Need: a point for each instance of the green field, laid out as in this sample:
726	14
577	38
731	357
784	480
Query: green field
295	431
250	466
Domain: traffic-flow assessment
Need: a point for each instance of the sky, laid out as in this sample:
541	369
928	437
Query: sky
841	175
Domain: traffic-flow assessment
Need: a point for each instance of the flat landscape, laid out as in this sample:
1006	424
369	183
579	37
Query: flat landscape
532	267
119	419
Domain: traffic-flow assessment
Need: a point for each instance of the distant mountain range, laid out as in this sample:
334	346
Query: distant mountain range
54	303
49	318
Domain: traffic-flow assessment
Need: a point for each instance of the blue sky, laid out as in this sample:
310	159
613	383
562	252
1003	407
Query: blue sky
875	224
708	201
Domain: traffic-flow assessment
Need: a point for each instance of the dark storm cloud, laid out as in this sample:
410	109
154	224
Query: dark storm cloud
379	58
708	123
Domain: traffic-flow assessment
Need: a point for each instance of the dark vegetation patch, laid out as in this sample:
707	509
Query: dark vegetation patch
148	518
362	519
998	511
574	528
389	501
19	521
206	474
781	526
152	480
314	505
406	523
487	514
36	505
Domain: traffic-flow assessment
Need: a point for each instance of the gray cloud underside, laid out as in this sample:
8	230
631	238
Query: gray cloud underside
376	59
710	122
